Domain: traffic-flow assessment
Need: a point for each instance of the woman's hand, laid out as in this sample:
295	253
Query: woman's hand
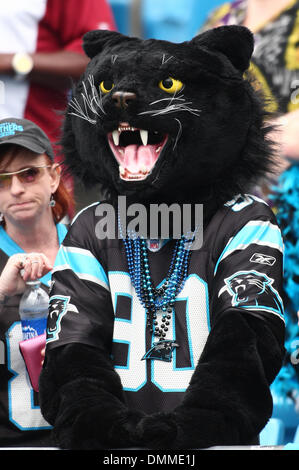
21	268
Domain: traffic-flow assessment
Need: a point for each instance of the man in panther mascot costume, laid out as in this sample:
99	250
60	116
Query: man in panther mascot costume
164	345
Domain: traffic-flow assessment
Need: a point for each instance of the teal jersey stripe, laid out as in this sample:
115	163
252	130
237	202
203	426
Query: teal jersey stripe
261	308
255	232
83	263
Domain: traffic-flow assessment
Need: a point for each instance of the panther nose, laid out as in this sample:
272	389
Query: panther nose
122	99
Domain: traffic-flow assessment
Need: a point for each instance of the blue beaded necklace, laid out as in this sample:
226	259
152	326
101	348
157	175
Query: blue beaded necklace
158	301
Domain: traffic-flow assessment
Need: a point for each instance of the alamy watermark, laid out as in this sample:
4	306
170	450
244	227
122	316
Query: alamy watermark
158	221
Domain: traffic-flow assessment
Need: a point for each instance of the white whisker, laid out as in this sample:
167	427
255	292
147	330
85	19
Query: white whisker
178	134
79	111
74	104
91	121
166	99
90	103
172	109
164	60
95	96
174	104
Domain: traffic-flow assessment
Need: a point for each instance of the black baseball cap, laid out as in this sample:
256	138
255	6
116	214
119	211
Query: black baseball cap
26	134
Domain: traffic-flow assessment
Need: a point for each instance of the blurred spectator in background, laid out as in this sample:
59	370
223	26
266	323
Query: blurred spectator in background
41	52
275	69
275	62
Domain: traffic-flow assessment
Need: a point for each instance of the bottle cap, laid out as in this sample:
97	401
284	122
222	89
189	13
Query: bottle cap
33	283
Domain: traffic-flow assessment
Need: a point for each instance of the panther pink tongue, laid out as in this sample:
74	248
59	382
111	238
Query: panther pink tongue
137	157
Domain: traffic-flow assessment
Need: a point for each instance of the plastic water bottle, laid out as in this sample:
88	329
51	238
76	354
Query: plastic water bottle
33	310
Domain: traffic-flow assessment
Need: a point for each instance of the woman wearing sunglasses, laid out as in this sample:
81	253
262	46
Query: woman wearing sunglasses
33	201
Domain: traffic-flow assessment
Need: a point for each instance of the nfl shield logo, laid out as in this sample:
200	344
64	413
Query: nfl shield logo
154	244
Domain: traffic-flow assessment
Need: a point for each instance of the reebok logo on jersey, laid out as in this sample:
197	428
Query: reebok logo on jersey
262	259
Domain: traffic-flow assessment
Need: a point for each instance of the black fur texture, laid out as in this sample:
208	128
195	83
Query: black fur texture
217	147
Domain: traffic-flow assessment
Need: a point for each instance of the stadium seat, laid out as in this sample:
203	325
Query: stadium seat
273	433
284	409
296	436
174	21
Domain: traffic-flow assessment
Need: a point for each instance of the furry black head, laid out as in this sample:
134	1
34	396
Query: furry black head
155	120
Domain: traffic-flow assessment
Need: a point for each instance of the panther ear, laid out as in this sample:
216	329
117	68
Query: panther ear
236	42
94	41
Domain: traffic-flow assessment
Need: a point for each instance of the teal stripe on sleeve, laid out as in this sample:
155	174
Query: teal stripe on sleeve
83	263
255	232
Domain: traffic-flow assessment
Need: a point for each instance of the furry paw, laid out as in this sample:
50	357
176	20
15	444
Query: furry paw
158	431
124	428
96	430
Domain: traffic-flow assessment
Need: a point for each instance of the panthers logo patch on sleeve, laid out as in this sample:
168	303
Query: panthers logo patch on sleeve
253	290
58	307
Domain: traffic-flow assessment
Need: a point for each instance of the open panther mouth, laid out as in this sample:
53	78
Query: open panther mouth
136	150
240	289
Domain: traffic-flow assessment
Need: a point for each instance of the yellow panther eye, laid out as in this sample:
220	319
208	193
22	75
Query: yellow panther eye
171	85
106	86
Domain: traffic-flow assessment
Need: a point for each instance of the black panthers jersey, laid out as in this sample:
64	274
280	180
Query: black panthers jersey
93	301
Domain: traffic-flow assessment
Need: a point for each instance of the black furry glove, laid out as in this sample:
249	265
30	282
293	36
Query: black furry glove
228	401
185	429
106	426
82	397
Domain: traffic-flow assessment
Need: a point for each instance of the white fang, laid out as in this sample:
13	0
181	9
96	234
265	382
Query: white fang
115	136
144	136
